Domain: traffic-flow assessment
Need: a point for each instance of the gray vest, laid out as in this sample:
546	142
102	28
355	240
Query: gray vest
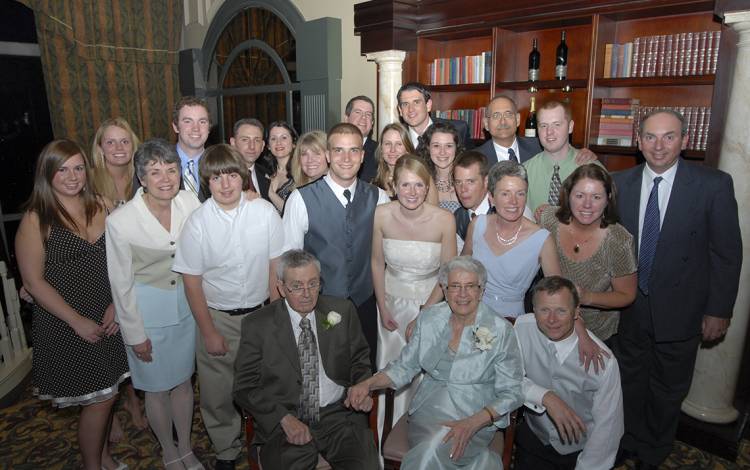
569	381
341	238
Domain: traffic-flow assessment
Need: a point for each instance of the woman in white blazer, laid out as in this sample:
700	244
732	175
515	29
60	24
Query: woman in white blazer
150	304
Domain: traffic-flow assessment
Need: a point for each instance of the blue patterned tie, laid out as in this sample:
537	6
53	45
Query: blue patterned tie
649	237
512	155
309	401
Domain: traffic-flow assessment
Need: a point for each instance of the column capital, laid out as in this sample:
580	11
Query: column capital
381	57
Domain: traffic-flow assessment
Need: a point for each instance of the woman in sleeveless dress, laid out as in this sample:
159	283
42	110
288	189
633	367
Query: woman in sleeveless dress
410	241
79	357
439	148
512	248
281	140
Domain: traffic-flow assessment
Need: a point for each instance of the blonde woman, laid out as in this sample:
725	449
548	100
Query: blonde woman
112	153
309	158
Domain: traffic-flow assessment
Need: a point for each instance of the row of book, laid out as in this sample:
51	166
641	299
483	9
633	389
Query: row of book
666	55
473	118
620	119
462	70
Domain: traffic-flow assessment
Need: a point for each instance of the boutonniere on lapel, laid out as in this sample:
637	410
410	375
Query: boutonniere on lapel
483	338
331	320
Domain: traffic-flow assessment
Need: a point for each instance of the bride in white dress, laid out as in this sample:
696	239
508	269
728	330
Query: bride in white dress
410	241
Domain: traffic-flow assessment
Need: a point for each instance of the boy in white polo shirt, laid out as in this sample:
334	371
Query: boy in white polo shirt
227	254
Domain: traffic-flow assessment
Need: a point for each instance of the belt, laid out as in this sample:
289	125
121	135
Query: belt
243	311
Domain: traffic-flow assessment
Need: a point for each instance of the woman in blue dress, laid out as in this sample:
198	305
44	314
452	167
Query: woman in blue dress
155	320
472	376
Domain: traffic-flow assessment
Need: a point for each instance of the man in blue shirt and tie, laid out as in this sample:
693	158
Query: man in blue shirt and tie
191	123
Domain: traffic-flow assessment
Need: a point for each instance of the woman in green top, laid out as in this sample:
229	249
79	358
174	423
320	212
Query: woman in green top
596	252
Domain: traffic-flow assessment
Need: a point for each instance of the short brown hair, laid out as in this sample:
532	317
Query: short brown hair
222	159
189	101
553	285
596	173
552	104
471	157
343	128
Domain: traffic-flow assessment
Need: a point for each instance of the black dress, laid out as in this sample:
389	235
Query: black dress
67	369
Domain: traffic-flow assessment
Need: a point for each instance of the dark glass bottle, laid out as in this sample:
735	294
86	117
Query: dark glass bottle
561	59
530	127
534	60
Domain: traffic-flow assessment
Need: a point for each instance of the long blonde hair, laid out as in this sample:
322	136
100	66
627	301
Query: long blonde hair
102	181
309	140
383	178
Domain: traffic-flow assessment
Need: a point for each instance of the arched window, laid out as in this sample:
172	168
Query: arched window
254	68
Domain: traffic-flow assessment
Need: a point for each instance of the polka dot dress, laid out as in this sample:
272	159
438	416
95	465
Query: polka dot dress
67	369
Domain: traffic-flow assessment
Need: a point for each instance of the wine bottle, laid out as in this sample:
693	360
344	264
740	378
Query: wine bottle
534	59
530	127
561	59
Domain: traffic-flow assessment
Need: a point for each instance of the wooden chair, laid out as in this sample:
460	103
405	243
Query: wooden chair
253	452
396	444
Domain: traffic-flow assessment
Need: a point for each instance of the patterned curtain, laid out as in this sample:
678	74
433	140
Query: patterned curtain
108	58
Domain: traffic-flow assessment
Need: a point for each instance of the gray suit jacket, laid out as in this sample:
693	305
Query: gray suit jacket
527	148
699	254
267	374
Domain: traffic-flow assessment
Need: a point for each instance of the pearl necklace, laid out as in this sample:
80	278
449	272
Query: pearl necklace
507	241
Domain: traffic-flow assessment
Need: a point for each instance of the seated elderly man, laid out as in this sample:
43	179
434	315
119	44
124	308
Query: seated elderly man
575	419
472	375
296	358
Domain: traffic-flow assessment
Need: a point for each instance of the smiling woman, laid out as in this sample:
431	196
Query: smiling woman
112	160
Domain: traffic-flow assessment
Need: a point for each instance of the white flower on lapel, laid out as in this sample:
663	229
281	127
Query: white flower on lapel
483	338
332	319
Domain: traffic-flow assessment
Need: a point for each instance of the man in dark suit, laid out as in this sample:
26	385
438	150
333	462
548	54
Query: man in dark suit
297	357
684	220
191	123
501	120
470	180
360	111
247	138
414	106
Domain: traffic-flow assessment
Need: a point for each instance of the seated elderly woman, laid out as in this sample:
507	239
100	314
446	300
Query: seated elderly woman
472	375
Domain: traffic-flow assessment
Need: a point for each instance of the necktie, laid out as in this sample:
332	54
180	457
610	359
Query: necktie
348	196
309	401
472	215
512	156
252	185
191	183
554	186
649	236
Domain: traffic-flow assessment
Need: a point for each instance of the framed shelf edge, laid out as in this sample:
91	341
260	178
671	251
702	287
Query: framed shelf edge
655	81
542	84
460	87
615	150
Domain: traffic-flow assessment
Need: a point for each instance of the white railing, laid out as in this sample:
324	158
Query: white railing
15	355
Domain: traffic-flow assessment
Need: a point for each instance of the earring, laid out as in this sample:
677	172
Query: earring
145	190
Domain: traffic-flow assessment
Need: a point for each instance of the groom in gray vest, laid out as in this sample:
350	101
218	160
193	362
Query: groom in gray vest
574	418
332	218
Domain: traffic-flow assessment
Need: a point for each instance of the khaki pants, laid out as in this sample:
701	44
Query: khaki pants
216	377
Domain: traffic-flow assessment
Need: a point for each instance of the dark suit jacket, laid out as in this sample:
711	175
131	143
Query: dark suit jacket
267	378
369	167
698	257
527	148
264	181
463	131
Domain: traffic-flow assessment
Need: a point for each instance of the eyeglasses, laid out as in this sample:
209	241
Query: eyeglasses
506	115
455	288
299	288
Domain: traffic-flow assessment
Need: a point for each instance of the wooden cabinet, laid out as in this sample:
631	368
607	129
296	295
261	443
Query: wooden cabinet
448	29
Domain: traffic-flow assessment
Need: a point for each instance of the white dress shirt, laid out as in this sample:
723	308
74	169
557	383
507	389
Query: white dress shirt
231	250
665	190
414	137
502	152
296	221
329	391
603	438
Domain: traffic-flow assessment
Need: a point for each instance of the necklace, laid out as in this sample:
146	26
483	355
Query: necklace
507	241
444	186
577	246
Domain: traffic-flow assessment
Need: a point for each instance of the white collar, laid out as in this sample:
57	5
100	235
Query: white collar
295	317
668	175
483	206
565	346
338	189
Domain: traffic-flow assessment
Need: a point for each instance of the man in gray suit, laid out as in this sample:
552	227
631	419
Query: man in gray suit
296	359
684	220
501	120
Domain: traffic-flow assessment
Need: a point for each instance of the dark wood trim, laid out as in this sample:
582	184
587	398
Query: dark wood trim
614	150
655	81
727	6
462	87
542	85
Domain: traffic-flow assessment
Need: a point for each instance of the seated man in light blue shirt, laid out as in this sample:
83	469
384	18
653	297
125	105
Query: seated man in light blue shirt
574	418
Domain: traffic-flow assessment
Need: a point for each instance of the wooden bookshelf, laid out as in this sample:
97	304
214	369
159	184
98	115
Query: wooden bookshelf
447	29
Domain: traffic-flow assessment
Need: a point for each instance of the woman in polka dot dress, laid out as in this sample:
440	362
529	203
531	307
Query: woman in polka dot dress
79	357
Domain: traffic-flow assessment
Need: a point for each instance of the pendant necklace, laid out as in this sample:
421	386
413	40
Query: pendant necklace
508	241
577	246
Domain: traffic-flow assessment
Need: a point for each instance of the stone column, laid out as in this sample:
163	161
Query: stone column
389	81
711	394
